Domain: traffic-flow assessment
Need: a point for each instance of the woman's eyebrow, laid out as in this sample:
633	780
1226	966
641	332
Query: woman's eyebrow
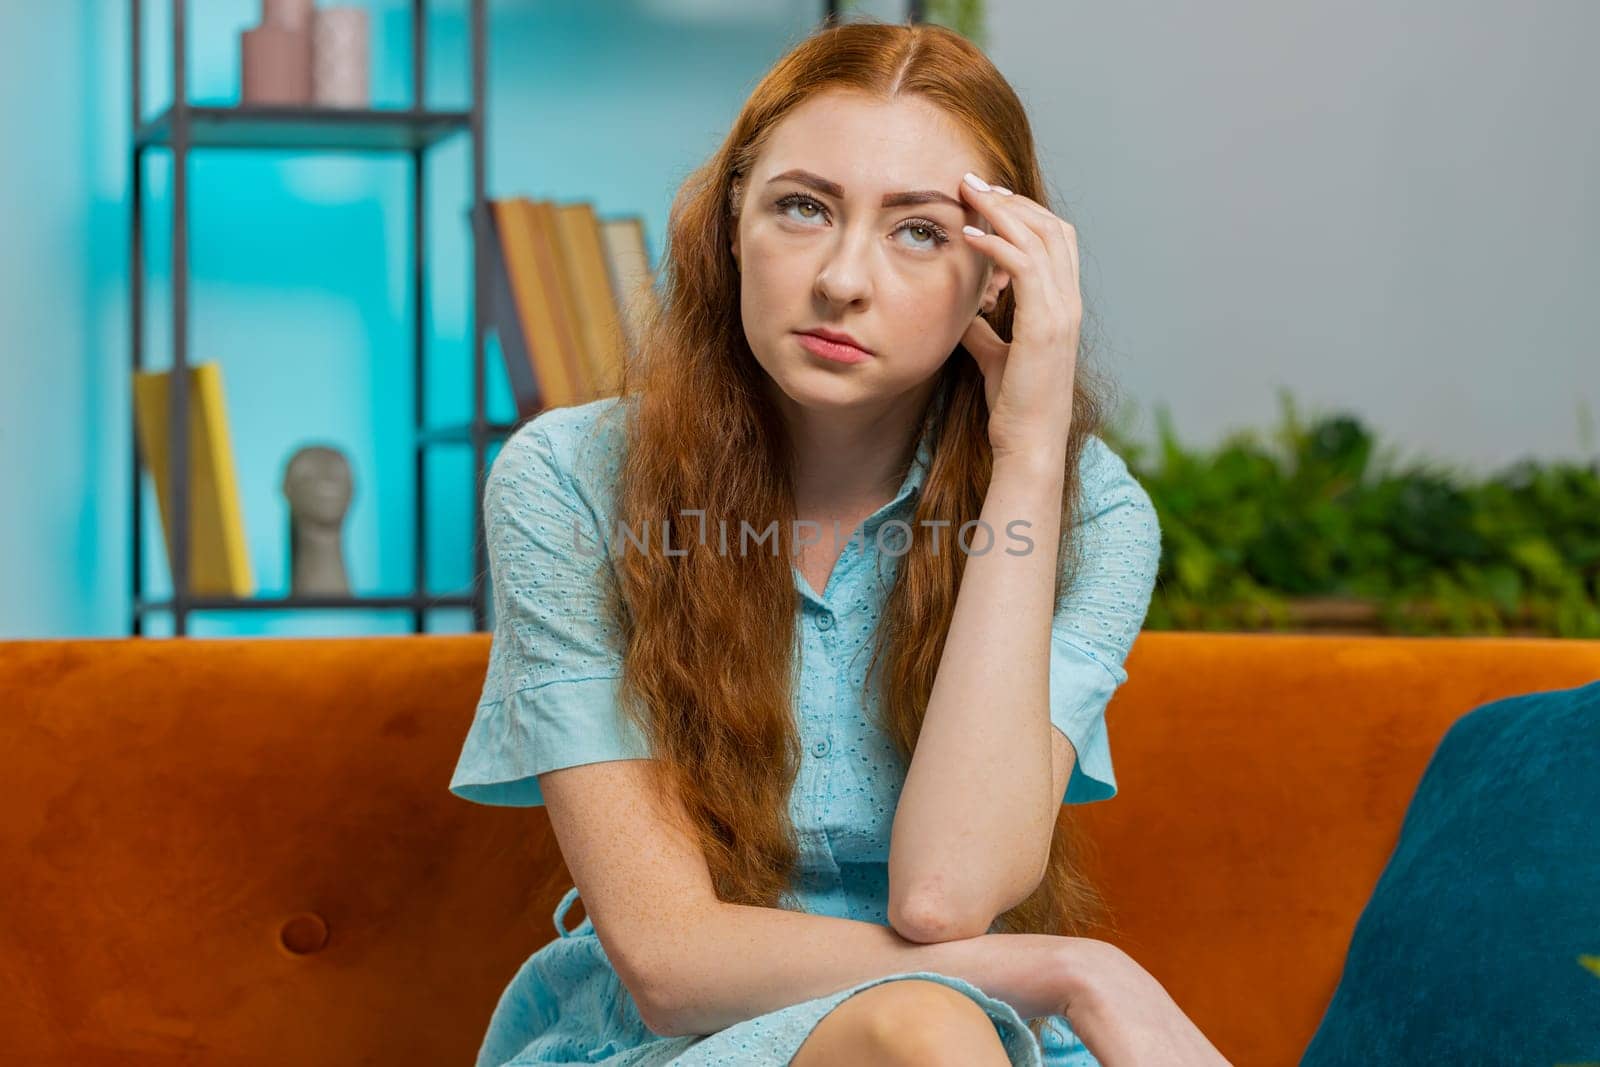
835	190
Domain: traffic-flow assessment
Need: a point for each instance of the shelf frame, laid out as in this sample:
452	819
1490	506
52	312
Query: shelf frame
185	127
304	128
369	602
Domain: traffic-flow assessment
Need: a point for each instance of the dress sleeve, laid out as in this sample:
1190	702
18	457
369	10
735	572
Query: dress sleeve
549	699
1101	613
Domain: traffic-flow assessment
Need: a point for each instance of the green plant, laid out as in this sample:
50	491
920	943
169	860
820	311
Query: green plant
966	17
1318	511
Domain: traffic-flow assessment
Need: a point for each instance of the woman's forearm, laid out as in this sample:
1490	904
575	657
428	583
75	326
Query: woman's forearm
972	830
733	962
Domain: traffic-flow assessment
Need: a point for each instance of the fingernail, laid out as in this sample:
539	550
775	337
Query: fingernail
1003	191
975	181
972	231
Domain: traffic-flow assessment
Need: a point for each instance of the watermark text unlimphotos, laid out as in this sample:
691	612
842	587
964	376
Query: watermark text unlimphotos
893	537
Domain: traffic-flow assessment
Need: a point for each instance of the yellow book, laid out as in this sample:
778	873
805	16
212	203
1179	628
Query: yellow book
219	562
584	259
541	218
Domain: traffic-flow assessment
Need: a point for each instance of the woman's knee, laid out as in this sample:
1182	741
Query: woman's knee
909	1021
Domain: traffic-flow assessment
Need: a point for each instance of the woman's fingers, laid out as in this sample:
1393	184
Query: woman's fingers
1043	237
1044	218
1061	238
1043	305
1010	223
1013	260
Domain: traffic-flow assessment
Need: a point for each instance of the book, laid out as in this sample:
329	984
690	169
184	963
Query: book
628	262
543	218
557	299
595	303
536	304
219	561
560	346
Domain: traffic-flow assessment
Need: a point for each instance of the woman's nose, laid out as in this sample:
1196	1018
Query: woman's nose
846	276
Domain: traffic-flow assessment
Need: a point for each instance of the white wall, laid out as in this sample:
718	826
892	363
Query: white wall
1387	208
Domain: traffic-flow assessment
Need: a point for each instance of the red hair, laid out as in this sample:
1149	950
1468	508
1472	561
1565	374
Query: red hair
709	673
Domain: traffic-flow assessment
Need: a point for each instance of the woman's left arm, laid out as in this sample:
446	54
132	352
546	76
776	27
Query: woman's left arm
1015	726
1021	675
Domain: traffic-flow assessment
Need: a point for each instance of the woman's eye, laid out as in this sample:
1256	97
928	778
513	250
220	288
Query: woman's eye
932	236
795	201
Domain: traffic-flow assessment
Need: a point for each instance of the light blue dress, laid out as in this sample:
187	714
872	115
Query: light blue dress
549	701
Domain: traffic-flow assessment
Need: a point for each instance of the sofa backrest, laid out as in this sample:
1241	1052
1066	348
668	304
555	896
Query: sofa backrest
1262	780
244	850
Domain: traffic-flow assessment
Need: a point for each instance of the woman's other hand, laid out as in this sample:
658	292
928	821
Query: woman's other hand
1123	1015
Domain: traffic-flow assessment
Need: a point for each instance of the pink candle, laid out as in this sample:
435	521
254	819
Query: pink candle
275	66
286	14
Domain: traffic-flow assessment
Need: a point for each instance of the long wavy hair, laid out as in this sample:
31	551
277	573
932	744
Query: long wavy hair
709	670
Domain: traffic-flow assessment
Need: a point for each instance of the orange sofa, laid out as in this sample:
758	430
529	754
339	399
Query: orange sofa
243	851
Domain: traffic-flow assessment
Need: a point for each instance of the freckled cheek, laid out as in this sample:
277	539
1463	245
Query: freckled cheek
942	299
770	239
771	259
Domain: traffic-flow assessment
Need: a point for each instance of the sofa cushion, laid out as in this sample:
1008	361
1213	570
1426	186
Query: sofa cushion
1481	941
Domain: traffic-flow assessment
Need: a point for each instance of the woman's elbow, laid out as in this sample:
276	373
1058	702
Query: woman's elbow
641	978
928	920
652	997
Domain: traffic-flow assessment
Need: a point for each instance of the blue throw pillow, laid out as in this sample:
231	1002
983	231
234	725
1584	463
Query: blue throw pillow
1481	943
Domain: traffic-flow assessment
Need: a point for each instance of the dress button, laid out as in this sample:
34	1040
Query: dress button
820	748
825	622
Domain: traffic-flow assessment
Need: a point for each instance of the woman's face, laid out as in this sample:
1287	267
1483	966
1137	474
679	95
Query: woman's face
817	248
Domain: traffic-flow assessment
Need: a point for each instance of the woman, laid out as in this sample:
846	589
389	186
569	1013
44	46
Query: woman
687	579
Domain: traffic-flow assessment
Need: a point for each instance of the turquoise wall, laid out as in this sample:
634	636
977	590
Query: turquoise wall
298	273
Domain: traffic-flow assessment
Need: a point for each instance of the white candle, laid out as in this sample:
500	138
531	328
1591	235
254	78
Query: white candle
339	69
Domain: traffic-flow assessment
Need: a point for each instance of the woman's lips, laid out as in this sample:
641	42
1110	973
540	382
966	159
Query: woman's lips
832	350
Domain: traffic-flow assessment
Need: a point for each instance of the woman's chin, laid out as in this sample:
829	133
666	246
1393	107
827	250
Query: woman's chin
813	389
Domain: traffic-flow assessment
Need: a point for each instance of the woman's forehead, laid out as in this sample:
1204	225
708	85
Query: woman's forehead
884	146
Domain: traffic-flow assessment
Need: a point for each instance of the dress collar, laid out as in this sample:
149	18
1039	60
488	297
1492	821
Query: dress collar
910	488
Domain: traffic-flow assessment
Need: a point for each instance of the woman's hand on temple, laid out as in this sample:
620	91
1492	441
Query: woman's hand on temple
1028	382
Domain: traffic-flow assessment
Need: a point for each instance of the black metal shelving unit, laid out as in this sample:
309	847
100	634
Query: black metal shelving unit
184	128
